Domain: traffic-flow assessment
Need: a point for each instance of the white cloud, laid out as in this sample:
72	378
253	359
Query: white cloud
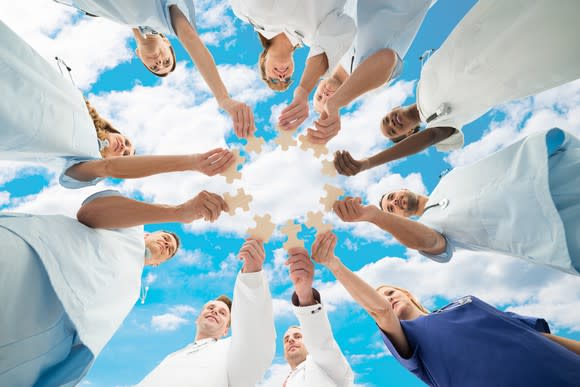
149	278
213	16
275	375
167	322
361	358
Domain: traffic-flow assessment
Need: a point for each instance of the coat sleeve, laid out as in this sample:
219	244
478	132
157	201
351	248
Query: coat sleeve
318	338
253	341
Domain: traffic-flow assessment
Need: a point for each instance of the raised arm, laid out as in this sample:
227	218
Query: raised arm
346	165
570	344
296	113
409	233
253	334
373	303
241	114
316	329
121	212
131	167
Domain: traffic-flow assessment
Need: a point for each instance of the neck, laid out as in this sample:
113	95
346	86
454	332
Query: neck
415	313
281	43
203	335
421	203
137	34
414	110
294	364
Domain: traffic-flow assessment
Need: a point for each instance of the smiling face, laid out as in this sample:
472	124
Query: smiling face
156	54
162	246
294	350
119	145
213	320
278	69
401	302
399	123
403	203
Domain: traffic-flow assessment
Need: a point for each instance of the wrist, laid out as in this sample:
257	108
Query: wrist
222	100
333	264
305	297
250	269
193	162
365	164
301	92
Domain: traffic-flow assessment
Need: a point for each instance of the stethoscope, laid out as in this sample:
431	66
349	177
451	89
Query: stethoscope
442	203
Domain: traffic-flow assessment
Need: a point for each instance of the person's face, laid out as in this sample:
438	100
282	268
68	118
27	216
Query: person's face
325	89
402	202
213	319
402	305
155	53
119	145
399	122
279	66
294	349
162	246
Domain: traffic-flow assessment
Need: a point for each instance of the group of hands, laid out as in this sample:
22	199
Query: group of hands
292	116
300	263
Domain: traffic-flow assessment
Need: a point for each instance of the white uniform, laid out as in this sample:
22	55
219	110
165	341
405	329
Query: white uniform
522	201
150	14
383	24
84	283
240	360
325	365
321	24
500	51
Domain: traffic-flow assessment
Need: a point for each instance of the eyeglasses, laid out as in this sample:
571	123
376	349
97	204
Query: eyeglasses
275	81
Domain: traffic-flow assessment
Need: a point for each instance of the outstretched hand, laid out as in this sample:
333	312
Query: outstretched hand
323	249
301	271
327	126
346	165
351	210
242	116
206	205
253	254
213	162
296	113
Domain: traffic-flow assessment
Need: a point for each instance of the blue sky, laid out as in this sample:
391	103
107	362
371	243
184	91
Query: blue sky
177	115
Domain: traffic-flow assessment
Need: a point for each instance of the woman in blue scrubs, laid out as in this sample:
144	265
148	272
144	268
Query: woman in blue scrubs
44	116
466	343
66	287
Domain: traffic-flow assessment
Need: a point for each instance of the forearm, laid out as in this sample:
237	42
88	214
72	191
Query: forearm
409	233
131	167
413	144
374	72
122	212
572	345
199	53
316	66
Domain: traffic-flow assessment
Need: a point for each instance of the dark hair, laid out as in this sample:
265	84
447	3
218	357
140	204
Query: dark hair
381	201
401	138
177	242
172	68
279	86
226	300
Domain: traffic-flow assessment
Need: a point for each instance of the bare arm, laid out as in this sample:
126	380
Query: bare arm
131	167
572	345
411	234
120	212
374	72
373	303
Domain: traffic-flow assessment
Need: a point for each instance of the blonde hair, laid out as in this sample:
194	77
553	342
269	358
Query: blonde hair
102	126
414	301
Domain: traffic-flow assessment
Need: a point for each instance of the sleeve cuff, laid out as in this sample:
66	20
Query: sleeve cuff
252	280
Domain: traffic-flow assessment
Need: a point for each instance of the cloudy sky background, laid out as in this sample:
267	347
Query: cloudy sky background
178	115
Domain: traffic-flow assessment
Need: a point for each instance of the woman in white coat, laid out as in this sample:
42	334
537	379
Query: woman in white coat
282	26
44	116
500	51
65	288
385	31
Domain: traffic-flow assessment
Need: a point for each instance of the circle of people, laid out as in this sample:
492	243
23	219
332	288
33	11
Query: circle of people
65	294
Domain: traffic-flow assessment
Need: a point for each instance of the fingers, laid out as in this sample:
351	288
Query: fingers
219	162
348	209
345	164
293	115
253	254
251	124
211	205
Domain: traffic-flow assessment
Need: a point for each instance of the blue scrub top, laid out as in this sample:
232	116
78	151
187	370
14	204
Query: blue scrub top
471	343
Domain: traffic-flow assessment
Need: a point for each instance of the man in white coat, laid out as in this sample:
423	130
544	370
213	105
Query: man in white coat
311	351
523	201
240	360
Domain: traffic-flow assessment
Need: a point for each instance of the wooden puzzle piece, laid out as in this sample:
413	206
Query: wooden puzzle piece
285	139
232	172
318	149
240	200
332	193
254	144
328	168
291	230
314	220
264	228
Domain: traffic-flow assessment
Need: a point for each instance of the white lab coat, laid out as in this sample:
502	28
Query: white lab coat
500	51
139	13
240	360
95	273
503	204
383	24
325	365
321	24
42	114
